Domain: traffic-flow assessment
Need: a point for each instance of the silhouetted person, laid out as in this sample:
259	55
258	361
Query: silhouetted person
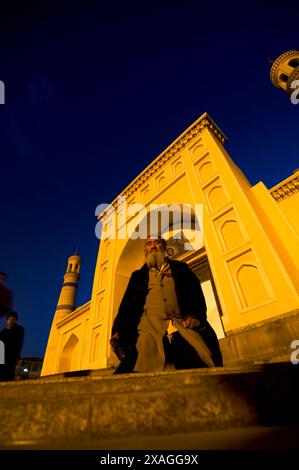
12	337
6	296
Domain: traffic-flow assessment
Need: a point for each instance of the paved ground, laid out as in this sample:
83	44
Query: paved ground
248	438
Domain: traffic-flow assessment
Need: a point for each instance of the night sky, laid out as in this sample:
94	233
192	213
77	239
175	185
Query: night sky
95	91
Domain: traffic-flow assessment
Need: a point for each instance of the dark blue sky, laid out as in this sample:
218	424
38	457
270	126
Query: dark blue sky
95	91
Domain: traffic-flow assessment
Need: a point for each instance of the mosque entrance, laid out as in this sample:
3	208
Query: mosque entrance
132	258
69	355
201	268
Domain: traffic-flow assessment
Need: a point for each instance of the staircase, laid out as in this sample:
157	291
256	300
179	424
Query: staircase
213	408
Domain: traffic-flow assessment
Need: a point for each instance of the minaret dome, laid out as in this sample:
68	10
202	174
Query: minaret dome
285	71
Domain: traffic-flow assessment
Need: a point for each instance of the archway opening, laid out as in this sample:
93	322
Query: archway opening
178	247
68	358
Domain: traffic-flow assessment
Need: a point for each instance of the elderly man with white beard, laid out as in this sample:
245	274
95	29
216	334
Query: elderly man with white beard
163	293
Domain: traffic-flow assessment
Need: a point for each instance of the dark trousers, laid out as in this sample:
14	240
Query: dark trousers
7	372
179	352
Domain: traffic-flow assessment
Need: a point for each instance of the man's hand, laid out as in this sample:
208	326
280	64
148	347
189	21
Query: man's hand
191	323
116	348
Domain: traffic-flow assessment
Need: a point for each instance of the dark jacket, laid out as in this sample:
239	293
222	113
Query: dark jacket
13	342
6	299
190	299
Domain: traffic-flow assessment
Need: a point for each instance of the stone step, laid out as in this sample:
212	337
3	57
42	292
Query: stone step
243	438
94	408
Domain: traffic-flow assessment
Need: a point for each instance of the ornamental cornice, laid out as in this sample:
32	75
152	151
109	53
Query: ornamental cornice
204	122
277	62
66	318
287	188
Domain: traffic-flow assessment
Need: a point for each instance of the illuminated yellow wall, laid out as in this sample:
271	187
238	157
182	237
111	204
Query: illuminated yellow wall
250	241
286	194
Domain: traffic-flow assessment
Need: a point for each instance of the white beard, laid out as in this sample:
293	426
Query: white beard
155	260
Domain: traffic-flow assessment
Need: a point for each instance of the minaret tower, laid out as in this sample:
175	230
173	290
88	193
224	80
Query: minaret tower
67	299
66	305
285	70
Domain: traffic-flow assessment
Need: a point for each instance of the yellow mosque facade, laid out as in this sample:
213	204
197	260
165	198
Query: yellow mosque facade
247	258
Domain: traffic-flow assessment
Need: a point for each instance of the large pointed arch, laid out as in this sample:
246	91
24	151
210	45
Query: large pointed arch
68	355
